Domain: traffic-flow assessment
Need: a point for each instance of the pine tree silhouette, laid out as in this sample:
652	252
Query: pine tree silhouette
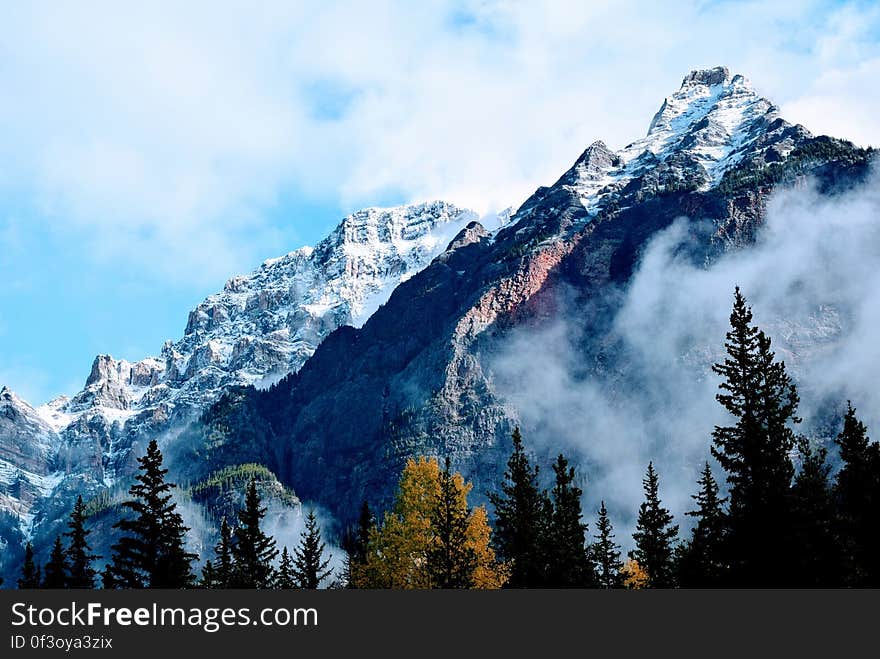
451	559
606	553
151	552
521	520
224	566
286	579
817	555
209	576
310	567
254	551
79	556
355	543
758	393
30	571
655	536
569	560
55	575
857	495
702	558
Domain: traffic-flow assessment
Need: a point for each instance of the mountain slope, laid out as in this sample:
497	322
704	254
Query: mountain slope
257	329
327	368
416	378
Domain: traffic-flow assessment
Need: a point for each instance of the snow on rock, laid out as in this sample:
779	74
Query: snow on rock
260	327
700	132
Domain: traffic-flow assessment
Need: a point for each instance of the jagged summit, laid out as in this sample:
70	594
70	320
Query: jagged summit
261	325
707	126
717	75
422	345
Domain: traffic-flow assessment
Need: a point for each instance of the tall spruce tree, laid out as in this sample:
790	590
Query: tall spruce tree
286	579
209	576
569	563
55	575
702	558
152	553
857	496
451	559
310	566
30	571
254	551
108	582
520	513
224	564
355	543
758	393
817	552
606	553
655	536
79	556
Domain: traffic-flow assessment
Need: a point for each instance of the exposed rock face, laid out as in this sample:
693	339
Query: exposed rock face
259	328
413	380
383	332
27	450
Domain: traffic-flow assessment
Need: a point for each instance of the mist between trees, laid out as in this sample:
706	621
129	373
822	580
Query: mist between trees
813	282
777	526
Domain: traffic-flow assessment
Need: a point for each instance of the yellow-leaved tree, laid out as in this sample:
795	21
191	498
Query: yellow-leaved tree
634	575
430	538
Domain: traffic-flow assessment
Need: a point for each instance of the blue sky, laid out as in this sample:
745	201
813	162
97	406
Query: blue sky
150	152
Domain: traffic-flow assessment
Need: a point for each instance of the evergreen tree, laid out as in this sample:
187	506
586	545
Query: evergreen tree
310	567
107	580
253	550
286	572
451	559
79	556
758	393
30	571
857	495
701	563
569	564
209	576
655	536
355	543
520	513
606	553
151	552
816	554
55	575
224	568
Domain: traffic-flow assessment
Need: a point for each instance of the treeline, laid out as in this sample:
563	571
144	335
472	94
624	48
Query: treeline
783	521
777	526
151	550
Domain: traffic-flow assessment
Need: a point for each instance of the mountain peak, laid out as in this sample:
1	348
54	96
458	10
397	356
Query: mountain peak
717	75
700	131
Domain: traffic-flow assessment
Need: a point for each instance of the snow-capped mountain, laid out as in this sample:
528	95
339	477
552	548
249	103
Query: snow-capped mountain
418	377
700	132
406	304
258	328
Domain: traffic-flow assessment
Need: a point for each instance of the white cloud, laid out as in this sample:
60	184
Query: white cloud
812	281
163	132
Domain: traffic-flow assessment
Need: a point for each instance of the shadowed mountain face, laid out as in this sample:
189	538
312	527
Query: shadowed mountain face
260	327
417	378
413	371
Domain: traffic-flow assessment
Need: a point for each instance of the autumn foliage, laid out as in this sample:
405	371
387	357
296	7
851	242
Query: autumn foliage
430	538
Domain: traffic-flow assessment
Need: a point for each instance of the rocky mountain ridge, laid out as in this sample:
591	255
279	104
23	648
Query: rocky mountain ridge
257	329
330	366
418	377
